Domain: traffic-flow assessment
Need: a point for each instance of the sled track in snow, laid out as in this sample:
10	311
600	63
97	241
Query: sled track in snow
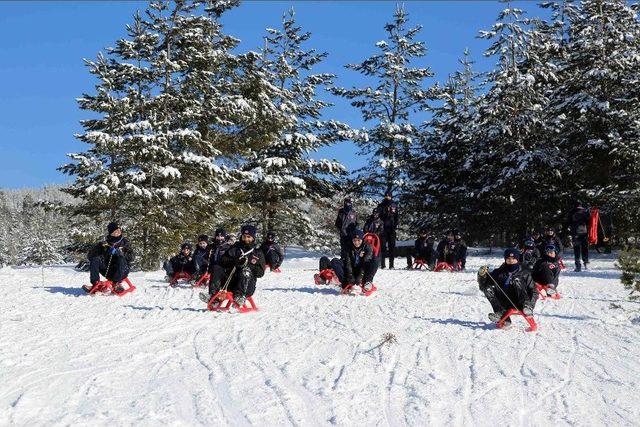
312	357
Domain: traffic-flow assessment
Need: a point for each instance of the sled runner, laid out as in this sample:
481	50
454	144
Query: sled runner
542	292
326	277
561	263
374	241
349	290
530	320
181	275
277	270
223	301
202	281
108	287
441	266
419	264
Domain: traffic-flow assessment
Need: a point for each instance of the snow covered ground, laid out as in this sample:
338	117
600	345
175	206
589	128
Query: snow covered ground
311	357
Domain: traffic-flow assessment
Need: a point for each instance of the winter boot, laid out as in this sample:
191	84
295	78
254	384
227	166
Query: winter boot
495	317
578	268
318	279
586	266
204	297
87	288
367	286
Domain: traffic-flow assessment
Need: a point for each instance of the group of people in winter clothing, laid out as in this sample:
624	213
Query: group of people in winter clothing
451	250
236	264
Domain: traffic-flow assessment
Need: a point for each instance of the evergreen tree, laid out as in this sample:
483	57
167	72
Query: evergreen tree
629	263
598	108
438	192
280	179
517	172
169	102
390	104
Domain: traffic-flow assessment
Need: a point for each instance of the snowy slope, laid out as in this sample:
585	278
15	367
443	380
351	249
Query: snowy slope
309	357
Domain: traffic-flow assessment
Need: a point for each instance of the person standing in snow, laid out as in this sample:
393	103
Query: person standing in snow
358	263
111	258
578	222
273	253
243	264
508	286
346	222
389	214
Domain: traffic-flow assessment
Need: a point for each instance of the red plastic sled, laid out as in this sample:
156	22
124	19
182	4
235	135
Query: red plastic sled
530	320
182	275
326	277
108	287
374	241
594	219
544	296
277	270
347	290
203	281
419	264
441	266
223	301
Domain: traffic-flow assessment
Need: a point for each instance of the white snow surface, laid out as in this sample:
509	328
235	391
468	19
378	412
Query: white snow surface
312	357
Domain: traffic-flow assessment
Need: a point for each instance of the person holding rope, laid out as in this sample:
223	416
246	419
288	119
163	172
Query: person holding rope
111	258
508	286
241	265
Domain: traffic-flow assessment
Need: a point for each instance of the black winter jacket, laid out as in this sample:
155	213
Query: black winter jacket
239	253
103	249
521	279
354	260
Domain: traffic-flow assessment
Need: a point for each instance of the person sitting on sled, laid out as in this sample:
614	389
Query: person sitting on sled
218	246
111	258
423	249
273	253
508	286
546	271
537	239
529	253
183	262
359	263
331	272
374	224
242	264
201	255
447	250
461	249
551	238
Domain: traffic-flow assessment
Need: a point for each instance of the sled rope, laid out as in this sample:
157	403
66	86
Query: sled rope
503	292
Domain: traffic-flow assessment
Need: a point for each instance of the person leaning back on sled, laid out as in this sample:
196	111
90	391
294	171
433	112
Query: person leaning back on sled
111	258
508	286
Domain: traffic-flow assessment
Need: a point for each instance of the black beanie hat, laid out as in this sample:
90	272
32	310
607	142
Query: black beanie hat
113	226
203	238
511	252
248	229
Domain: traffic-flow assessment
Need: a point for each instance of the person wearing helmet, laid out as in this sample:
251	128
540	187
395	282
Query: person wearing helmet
243	263
423	248
346	222
529	253
183	262
111	257
508	286
358	263
273	253
546	271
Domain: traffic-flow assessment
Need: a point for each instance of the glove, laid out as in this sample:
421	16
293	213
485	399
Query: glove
113	251
527	311
483	271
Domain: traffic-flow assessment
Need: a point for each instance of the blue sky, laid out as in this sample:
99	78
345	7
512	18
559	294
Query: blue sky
42	45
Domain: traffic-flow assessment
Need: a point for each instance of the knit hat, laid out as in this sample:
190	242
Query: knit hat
271	236
529	243
511	252
357	233
113	226
219	232
248	229
186	245
550	248
203	238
